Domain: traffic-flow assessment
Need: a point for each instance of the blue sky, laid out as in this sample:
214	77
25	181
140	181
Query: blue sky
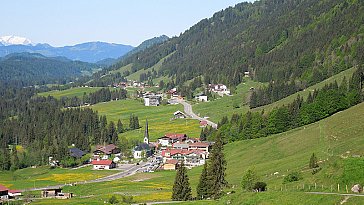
68	22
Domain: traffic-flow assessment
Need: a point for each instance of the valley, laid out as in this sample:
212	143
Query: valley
262	102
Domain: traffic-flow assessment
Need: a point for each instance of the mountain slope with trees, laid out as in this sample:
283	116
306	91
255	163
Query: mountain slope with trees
292	44
24	69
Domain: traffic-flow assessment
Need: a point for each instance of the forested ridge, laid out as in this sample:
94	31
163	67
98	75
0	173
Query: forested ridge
293	42
26	69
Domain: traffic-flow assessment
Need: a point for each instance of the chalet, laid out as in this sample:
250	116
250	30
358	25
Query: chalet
219	89
190	158
55	193
106	150
203	123
14	194
172	92
178	114
170	164
103	164
4	193
201	98
170	138
247	74
152	100
76	153
203	146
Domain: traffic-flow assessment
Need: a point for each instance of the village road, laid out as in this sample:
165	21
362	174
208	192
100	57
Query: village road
189	112
119	175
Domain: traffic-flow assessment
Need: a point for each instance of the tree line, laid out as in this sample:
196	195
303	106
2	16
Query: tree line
319	104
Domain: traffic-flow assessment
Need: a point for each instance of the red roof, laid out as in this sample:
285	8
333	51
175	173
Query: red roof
102	162
203	122
15	191
174	136
172	161
176	151
199	144
3	188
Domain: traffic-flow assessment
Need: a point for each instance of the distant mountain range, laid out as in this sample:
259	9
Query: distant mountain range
91	52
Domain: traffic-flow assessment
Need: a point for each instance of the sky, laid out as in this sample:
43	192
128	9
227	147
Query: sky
129	22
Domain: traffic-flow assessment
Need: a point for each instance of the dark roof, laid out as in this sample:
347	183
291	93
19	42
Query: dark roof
75	152
106	149
142	146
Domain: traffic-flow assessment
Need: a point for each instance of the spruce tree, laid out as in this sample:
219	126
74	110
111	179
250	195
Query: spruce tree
181	188
120	126
202	187
216	169
313	161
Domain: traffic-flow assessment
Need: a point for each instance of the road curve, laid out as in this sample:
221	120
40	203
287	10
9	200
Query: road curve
119	175
189	112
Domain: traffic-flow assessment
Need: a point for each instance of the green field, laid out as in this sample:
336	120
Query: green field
159	118
72	92
44	176
227	105
334	140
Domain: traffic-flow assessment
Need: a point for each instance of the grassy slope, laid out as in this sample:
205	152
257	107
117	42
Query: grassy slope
226	105
158	118
72	92
43	176
338	77
330	139
136	76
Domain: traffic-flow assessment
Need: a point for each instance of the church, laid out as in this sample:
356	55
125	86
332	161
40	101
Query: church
145	149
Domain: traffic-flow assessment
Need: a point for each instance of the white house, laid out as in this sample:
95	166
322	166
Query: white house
201	98
152	100
103	164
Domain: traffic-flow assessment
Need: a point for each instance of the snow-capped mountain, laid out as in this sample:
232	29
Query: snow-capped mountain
14	40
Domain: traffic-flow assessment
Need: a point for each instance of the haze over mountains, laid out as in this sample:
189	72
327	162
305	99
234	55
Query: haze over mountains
91	52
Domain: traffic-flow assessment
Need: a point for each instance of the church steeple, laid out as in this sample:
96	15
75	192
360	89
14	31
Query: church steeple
146	133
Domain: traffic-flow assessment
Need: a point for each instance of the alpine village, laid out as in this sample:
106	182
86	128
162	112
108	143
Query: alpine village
261	102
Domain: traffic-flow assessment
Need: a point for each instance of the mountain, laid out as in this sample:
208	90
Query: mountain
23	69
147	43
303	42
14	40
88	52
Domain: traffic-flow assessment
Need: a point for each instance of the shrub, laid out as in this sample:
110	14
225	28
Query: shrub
260	186
113	200
292	177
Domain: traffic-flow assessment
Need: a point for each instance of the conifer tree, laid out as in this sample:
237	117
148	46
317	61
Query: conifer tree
313	161
202	187
120	126
216	169
181	188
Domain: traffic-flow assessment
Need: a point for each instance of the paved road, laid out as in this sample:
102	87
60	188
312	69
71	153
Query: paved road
119	175
188	110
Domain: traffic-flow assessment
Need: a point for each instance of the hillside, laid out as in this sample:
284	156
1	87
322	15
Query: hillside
23	69
300	41
334	140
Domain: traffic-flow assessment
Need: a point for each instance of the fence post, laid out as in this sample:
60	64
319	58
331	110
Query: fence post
338	187
347	189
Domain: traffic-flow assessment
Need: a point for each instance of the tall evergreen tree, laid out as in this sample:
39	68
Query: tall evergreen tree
120	126
181	187
216	169
202	187
313	161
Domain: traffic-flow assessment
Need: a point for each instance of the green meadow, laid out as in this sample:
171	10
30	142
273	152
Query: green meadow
334	140
227	105
72	92
44	176
160	118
